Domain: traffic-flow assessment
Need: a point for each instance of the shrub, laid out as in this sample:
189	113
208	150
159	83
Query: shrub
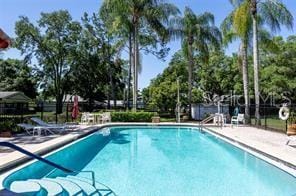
7	126
132	116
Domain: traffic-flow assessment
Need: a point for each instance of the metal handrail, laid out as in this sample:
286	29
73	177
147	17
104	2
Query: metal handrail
207	119
211	117
57	166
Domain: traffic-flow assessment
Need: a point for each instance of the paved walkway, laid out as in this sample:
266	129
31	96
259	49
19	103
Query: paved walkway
269	142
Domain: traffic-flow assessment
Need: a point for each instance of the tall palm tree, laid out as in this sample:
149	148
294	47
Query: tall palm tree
197	33
272	13
142	15
237	25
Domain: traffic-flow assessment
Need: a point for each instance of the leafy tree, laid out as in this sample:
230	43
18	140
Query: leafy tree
198	34
16	75
162	91
109	51
145	21
51	42
219	76
278	74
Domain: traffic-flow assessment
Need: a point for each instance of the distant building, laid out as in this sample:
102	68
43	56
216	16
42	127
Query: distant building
70	99
13	102
13	97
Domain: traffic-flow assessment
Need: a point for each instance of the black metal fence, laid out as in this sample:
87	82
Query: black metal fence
269	117
16	112
22	112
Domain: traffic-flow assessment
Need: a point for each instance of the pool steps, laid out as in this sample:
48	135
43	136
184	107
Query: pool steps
64	186
68	185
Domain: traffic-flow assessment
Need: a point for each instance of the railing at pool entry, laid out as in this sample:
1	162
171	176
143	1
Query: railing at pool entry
217	118
56	166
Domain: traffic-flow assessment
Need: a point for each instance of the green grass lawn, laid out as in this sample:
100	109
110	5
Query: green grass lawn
163	119
272	122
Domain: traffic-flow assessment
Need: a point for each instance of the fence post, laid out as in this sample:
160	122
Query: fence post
199	118
265	125
67	115
22	112
42	108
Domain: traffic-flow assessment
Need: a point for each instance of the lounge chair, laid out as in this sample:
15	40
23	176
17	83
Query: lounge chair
291	138
237	119
40	122
32	130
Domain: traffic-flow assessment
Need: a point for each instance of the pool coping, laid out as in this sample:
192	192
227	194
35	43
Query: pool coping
286	163
281	164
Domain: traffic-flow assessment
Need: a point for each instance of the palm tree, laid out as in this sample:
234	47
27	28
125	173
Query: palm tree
141	15
238	25
197	33
272	13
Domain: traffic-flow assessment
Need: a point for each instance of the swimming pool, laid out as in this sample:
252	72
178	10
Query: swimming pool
142	160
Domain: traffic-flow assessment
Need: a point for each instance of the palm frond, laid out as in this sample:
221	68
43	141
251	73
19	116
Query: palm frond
236	3
274	13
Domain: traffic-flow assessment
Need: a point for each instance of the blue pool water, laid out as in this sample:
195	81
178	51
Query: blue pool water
166	161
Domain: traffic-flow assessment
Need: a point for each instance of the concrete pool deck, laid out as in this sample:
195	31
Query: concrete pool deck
272	144
38	145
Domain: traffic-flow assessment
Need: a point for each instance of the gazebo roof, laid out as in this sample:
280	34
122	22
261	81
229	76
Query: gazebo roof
13	96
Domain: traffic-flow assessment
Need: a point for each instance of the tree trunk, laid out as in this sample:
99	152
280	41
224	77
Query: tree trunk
244	54
90	105
256	61
111	65
59	105
135	66
112	85
190	70
129	70
108	99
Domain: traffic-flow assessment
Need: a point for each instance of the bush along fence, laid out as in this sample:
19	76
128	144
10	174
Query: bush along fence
132	116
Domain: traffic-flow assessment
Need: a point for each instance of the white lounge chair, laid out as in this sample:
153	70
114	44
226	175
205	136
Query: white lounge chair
40	122
237	119
291	138
32	130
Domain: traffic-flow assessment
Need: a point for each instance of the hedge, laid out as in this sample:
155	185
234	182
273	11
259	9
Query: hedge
132	116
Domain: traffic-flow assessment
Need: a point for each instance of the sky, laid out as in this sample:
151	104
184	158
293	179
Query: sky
12	9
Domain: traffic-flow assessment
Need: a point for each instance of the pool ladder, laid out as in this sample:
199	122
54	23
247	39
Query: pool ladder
211	117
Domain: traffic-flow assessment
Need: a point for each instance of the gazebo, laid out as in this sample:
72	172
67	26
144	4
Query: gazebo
4	40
